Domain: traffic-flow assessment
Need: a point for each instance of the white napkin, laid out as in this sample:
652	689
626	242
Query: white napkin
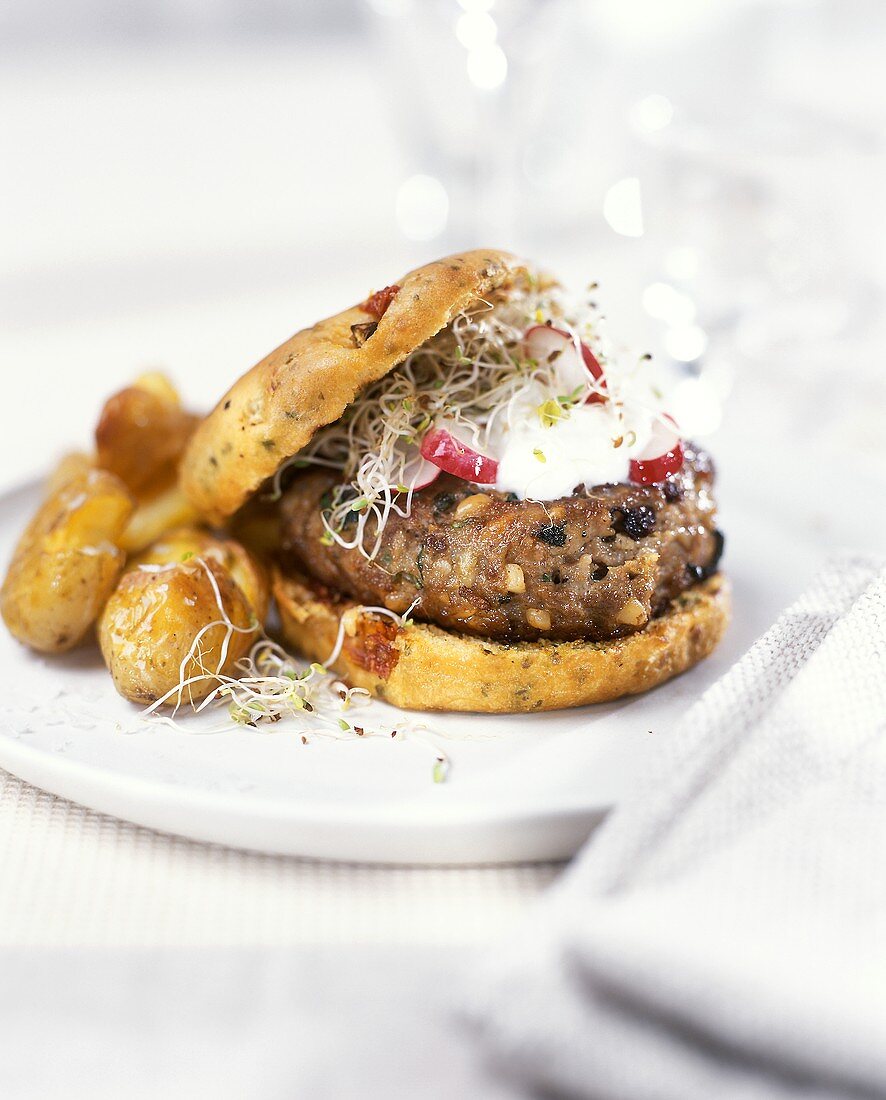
724	935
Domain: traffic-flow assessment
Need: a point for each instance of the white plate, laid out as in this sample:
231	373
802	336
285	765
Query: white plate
520	788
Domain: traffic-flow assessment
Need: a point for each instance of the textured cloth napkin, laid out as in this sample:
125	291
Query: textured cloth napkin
724	935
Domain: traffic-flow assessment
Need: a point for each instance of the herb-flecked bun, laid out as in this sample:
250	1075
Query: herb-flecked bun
273	411
418	666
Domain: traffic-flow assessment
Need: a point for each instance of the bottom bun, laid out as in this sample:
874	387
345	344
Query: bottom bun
422	667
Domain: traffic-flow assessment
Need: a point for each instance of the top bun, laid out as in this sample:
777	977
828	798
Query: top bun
273	411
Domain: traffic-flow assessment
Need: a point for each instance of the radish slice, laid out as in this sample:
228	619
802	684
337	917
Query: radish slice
645	471
662	455
542	341
664	437
418	473
454	457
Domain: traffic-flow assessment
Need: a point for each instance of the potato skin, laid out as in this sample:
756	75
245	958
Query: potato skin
164	510
141	434
67	561
186	542
149	625
68	467
163	601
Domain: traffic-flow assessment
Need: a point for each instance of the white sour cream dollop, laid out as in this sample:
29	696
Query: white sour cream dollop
546	462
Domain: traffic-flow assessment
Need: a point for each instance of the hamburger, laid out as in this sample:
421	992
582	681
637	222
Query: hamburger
477	503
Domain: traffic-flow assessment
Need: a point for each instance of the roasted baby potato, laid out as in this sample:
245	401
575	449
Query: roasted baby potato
69	467
142	433
155	515
184	543
140	437
179	618
67	562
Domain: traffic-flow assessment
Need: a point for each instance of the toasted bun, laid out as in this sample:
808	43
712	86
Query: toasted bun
308	382
421	667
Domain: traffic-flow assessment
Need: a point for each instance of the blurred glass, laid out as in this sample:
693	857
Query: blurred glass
467	83
766	223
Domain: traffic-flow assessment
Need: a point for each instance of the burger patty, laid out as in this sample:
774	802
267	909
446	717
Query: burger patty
595	565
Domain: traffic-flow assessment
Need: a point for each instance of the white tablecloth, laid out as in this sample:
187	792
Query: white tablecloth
72	877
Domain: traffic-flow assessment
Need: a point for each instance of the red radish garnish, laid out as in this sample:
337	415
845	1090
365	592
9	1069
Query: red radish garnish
647	471
454	457
662	455
418	473
542	341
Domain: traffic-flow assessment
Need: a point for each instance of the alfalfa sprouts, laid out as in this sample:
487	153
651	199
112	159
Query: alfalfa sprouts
468	377
269	686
